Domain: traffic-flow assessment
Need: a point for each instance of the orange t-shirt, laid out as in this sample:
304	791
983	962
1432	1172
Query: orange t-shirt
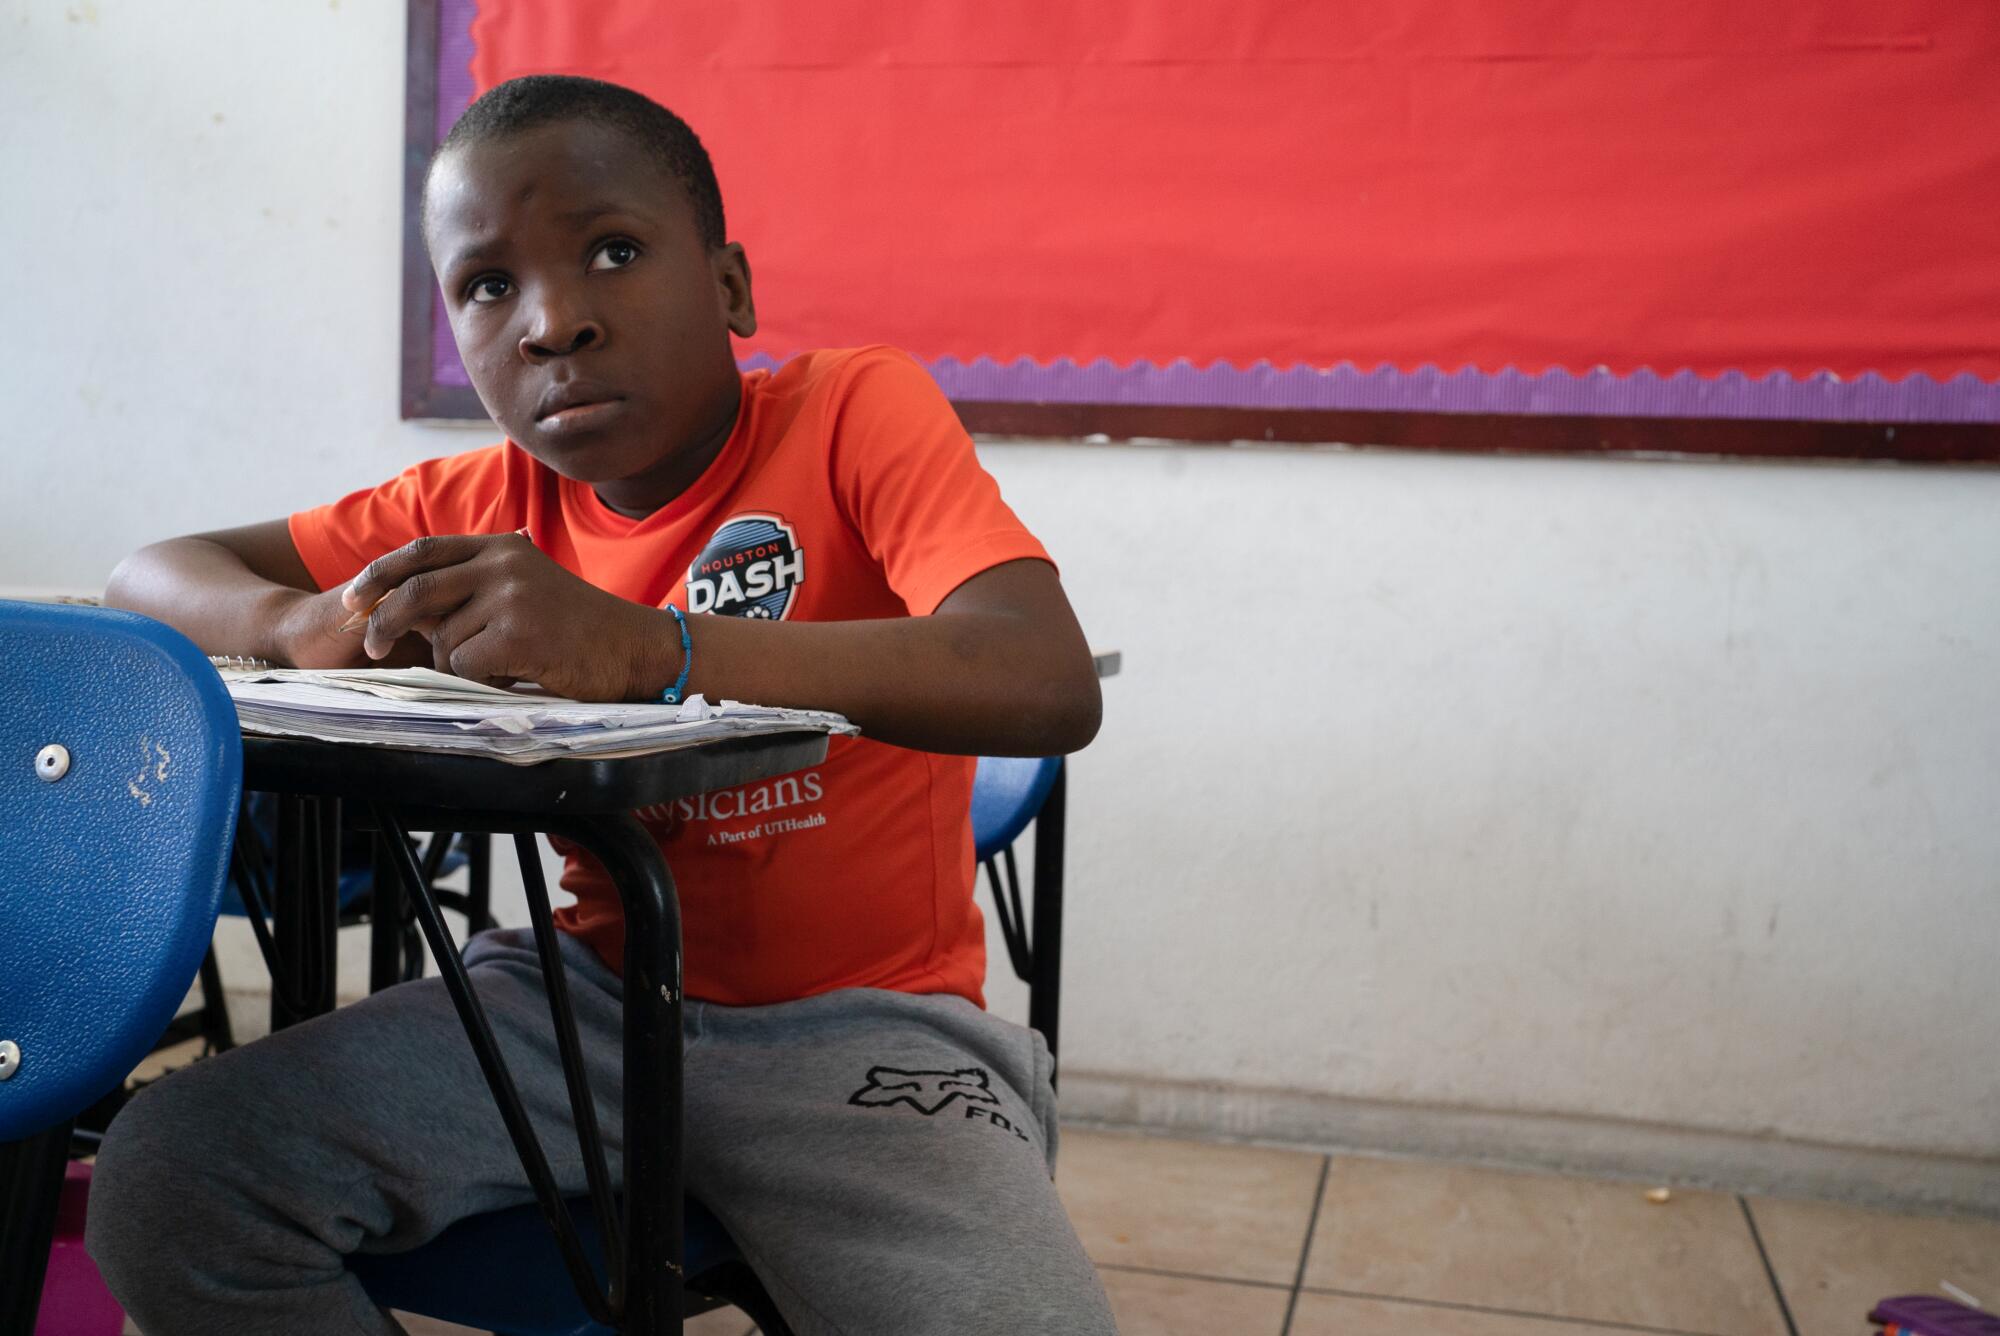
848	490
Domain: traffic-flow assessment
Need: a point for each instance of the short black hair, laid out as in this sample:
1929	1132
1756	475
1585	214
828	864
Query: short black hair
549	99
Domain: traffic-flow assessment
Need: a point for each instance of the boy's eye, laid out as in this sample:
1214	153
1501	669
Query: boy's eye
491	288
614	255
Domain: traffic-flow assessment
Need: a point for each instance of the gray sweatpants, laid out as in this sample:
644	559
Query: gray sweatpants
882	1159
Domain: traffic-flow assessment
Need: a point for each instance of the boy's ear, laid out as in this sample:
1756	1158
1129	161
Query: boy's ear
732	279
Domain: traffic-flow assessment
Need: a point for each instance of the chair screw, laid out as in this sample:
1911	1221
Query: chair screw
10	1058
52	763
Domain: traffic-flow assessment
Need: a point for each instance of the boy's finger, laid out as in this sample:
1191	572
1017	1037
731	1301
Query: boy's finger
480	657
391	569
416	602
448	632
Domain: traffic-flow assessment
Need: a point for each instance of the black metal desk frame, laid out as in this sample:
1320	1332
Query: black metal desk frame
591	803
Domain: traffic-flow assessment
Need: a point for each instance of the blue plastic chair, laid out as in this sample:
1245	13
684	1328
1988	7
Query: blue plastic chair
120	772
501	1272
1008	793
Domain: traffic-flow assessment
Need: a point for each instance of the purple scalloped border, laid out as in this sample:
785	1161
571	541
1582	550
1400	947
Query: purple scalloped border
1822	396
1429	389
454	95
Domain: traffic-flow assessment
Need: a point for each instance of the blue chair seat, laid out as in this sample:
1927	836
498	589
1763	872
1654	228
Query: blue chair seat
501	1272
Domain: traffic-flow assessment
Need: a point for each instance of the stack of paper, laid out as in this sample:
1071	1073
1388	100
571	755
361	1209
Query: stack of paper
417	709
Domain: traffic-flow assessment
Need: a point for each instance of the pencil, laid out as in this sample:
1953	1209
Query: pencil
360	619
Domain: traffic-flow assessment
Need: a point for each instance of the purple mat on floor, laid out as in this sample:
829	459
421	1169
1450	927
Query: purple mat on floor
74	1300
1926	1315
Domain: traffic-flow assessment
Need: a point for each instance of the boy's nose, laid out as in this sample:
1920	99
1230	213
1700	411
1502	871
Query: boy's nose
557	334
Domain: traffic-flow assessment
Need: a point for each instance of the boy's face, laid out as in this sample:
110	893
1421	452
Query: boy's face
592	318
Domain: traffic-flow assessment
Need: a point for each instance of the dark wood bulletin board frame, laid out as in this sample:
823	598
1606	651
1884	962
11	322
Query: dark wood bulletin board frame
1497	433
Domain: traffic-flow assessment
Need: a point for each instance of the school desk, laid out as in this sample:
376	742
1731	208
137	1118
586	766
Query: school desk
590	802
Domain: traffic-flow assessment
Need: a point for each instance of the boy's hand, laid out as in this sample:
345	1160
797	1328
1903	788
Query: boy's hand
308	633
496	610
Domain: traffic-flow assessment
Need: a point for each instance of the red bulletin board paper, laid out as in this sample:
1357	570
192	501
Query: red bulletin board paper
1796	186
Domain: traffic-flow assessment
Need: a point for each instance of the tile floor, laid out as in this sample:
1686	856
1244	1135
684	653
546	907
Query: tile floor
1195	1238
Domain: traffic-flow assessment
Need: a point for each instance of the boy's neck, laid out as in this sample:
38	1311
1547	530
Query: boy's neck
642	494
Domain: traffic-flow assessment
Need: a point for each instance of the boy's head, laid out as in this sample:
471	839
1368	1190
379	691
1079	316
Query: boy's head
546	99
577	235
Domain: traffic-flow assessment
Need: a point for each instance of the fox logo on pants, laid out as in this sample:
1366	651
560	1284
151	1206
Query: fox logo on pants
926	1092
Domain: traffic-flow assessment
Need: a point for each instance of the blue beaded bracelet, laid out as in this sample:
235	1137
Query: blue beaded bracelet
672	695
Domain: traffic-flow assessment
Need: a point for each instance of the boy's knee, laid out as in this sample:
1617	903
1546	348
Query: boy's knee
145	1176
163	1175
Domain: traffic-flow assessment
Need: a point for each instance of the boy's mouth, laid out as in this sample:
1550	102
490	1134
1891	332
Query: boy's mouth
576	407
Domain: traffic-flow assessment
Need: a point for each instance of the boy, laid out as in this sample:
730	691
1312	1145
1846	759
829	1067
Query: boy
833	543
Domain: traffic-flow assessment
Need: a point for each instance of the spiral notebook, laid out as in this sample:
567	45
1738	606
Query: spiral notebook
421	710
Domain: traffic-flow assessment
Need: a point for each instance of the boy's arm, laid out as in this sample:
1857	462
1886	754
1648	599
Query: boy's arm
999	668
243	591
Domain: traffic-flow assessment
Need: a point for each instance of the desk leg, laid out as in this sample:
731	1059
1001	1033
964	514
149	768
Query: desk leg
1045	987
646	1299
653	1143
323	890
305	910
31	1178
288	908
479	884
385	919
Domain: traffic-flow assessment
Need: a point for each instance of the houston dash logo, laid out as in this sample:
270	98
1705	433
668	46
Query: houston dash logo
750	568
926	1092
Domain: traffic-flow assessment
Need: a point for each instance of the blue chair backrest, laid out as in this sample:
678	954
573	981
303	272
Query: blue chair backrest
1007	793
113	850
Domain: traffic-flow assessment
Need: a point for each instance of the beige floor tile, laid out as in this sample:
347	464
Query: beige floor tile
161	1061
1152	1305
430	1326
1334	1315
720	1322
1237	1212
1537	1243
1834	1262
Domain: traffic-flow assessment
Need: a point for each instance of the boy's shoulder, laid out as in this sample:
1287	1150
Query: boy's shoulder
857	424
839	372
868	399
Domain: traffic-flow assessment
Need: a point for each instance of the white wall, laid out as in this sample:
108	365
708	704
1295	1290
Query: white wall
1659	792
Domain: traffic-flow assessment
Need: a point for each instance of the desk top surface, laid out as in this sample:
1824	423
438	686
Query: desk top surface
579	787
